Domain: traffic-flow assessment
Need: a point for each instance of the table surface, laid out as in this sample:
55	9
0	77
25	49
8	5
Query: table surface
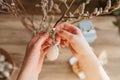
14	38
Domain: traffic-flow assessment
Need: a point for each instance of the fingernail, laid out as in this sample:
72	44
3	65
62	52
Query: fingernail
57	30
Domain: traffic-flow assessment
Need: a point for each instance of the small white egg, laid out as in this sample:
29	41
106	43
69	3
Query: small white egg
7	66
10	66
53	53
6	74
1	67
2	58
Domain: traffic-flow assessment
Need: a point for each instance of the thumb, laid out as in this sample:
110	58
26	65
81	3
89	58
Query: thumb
41	40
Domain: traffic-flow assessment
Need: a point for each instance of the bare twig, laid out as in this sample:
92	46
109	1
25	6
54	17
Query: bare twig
29	19
65	12
17	15
49	8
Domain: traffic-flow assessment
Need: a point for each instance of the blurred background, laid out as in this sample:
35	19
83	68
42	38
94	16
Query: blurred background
14	39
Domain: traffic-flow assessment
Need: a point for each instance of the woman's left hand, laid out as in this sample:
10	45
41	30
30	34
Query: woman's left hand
35	53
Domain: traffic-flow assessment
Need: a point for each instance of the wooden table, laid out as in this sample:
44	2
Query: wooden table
14	38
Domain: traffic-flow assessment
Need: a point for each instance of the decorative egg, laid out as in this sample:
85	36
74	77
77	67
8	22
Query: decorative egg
5	67
6	74
2	58
10	66
53	53
1	67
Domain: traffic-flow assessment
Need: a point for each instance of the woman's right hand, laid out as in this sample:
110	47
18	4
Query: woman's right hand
72	37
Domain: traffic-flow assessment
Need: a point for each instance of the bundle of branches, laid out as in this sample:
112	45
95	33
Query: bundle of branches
47	21
50	8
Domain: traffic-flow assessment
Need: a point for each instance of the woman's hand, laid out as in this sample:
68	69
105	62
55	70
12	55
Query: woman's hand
71	36
35	53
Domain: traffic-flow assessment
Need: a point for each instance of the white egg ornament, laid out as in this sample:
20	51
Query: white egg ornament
53	53
6	74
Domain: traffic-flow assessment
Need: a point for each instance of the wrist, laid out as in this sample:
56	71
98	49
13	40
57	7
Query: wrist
28	75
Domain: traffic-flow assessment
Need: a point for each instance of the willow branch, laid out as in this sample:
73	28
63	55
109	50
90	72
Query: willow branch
65	12
15	13
31	20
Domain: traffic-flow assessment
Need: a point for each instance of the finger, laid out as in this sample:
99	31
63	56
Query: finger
45	45
46	49
66	26
41	40
57	39
43	55
49	40
66	43
63	26
65	34
34	39
63	43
